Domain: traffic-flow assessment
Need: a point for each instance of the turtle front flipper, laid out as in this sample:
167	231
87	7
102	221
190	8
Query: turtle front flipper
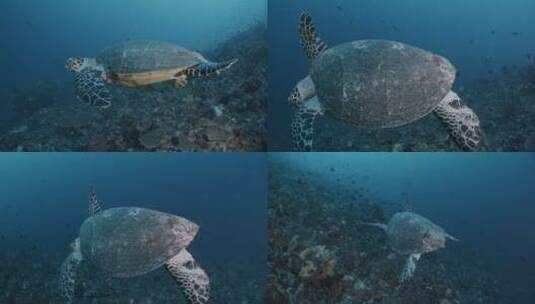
461	121
303	124
410	267
94	204
91	88
68	272
192	279
208	68
311	42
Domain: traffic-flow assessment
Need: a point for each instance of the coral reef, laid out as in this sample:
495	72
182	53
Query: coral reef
41	94
223	113
29	276
319	253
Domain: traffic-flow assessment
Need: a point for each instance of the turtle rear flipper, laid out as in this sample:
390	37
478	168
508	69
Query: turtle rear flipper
208	68
303	124
311	42
68	272
410	267
461	121
192	279
94	205
91	88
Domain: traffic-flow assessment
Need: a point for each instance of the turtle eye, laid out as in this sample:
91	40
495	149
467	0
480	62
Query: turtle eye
295	97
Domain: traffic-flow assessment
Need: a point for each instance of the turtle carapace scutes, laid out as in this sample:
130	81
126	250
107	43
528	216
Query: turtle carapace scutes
126	242
138	63
377	84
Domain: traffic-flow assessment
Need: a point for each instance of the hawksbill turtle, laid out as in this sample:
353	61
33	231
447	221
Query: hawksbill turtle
138	63
413	235
377	84
126	242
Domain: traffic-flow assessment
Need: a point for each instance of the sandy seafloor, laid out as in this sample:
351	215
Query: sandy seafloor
221	113
504	100
319	254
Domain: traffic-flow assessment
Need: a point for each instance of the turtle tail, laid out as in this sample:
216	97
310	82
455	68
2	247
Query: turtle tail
208	68
311	42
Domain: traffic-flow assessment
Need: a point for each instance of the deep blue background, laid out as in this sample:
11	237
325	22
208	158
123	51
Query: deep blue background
43	198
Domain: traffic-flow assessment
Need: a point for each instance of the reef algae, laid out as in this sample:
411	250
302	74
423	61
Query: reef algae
225	113
30	276
319	252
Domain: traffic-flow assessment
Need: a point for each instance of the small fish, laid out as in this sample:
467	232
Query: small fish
471	41
394	28
339	7
332	169
515	33
493	32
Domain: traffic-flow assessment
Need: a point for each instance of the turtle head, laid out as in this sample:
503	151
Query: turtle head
295	98
183	230
304	90
77	64
434	240
75	247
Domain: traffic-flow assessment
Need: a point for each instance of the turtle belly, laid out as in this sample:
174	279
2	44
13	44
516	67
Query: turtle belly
144	78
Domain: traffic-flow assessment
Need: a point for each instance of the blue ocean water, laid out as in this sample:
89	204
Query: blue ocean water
478	36
485	200
38	36
44	200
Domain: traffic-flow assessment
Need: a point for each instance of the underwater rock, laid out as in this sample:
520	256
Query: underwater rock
529	144
32	277
319	264
152	139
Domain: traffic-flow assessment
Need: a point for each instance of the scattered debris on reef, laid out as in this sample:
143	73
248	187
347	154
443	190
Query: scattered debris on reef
318	252
29	276
225	113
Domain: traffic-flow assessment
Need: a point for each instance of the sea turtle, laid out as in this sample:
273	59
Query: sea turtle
138	63
125	242
413	235
377	84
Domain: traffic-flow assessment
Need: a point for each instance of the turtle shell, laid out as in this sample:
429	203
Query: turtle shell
379	83
129	241
410	233
143	56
